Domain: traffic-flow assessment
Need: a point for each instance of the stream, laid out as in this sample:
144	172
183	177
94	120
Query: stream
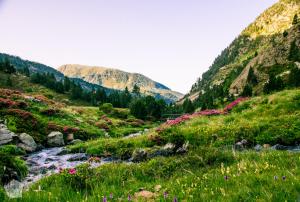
50	160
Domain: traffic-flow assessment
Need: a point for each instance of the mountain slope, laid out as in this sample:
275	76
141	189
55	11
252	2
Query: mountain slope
117	79
35	67
261	50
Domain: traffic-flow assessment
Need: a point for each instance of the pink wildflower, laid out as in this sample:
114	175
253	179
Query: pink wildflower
72	171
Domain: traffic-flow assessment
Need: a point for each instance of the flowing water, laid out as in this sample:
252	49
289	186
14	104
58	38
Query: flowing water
49	161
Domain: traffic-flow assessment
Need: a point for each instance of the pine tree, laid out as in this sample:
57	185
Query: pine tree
9	81
7	67
294	77
294	54
295	20
188	106
26	71
138	109
101	95
136	90
247	91
67	84
274	84
252	79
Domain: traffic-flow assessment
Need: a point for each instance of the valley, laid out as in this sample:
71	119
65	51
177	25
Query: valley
91	133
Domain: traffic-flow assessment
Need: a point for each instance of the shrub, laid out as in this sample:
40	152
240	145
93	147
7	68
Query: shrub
50	112
79	178
11	150
120	113
106	108
11	167
102	124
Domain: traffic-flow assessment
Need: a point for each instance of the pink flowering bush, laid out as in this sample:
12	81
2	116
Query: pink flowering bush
79	178
208	112
230	106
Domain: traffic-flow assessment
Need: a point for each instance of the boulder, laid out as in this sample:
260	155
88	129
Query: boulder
78	157
157	188
55	139
27	143
139	155
76	141
258	147
183	149
6	136
241	145
266	146
145	195
279	147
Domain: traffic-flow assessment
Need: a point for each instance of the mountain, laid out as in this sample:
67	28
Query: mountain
268	48
117	79
35	67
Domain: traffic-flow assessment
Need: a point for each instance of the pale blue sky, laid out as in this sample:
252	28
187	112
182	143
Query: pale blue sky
170	41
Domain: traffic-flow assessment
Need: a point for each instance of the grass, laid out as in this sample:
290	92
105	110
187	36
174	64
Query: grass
210	171
198	176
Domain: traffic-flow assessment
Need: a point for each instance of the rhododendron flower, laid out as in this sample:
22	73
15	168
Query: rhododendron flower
72	171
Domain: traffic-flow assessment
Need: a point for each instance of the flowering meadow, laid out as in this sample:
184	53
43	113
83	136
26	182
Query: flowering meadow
209	171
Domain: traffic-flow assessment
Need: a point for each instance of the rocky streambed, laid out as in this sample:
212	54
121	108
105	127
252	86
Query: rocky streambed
49	161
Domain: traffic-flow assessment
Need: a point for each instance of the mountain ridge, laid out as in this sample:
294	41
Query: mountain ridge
263	49
119	80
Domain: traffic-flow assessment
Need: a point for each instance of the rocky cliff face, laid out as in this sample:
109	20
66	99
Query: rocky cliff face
117	79
262	48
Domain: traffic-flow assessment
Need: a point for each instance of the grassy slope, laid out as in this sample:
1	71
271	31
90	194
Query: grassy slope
34	119
71	113
199	175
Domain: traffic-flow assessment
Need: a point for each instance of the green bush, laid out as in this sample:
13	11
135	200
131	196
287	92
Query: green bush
12	150
9	165
80	179
107	108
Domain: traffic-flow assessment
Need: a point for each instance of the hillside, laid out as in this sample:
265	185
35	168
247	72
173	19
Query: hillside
269	47
211	170
117	79
35	67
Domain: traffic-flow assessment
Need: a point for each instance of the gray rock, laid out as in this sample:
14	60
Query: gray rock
78	157
64	151
258	147
279	147
183	149
106	135
27	143
241	145
76	141
55	139
139	155
169	147
6	136
167	150
52	167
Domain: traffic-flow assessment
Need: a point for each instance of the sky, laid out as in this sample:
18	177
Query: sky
170	41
